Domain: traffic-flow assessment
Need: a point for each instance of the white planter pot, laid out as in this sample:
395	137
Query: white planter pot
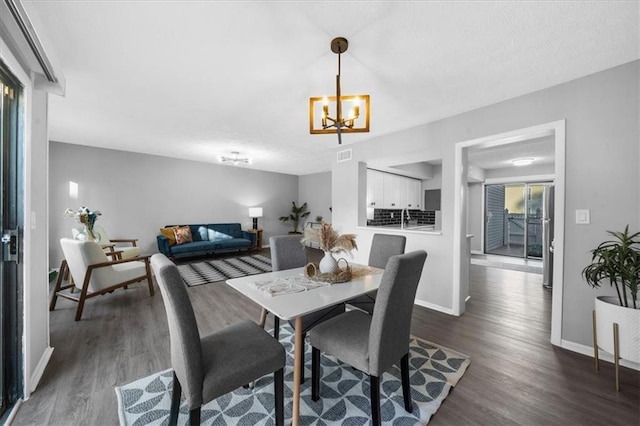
608	312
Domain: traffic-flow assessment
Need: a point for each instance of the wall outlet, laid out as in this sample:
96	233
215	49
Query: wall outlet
391	215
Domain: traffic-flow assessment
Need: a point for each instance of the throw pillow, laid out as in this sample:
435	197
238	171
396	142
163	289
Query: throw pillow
168	232
183	234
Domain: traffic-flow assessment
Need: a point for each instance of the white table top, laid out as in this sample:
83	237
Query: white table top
290	306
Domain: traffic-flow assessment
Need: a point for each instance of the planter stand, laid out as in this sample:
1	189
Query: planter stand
616	350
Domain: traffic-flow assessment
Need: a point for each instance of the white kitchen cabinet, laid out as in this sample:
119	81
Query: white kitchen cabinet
389	191
375	189
413	191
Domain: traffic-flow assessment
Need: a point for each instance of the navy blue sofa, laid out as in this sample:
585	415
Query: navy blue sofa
208	239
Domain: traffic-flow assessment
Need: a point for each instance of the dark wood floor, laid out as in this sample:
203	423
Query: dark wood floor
516	376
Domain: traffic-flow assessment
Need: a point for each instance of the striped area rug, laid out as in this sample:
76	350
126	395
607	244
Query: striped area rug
222	269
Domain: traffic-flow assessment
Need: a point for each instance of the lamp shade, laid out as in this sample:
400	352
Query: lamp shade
255	211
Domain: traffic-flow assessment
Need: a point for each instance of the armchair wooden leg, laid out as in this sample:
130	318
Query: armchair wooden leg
315	374
278	391
406	386
64	270
175	401
374	384
83	296
149	280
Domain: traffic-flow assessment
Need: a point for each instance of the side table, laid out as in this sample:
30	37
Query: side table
258	233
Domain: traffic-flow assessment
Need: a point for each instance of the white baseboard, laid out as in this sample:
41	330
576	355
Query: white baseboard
13	412
476	252
435	307
604	356
39	370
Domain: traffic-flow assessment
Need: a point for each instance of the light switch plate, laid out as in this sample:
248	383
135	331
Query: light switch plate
583	217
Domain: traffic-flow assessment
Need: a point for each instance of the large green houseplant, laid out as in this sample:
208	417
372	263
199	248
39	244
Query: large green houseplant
297	214
618	262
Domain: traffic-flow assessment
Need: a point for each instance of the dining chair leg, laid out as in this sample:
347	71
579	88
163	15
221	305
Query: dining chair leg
278	391
304	336
175	401
315	374
406	385
194	417
374	384
276	327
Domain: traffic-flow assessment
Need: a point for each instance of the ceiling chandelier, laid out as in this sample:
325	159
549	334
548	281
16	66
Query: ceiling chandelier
353	121
235	159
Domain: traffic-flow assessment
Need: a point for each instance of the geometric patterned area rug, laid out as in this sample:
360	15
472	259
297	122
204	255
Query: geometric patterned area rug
344	393
222	269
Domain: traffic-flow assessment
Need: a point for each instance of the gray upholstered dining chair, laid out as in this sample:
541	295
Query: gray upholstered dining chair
287	252
373	343
211	366
383	247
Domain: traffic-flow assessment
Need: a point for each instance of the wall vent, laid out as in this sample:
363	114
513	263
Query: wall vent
344	155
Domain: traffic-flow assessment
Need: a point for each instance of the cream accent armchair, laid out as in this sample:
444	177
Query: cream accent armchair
122	248
94	274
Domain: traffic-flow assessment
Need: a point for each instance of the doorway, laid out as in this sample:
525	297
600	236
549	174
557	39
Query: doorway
463	175
11	217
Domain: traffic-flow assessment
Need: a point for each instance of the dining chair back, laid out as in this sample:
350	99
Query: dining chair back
373	343
208	367
383	246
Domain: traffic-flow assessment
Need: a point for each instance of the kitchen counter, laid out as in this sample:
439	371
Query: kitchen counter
412	229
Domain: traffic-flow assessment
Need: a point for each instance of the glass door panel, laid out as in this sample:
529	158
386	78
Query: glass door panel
535	198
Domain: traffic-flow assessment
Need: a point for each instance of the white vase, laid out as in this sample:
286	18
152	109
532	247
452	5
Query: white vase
328	264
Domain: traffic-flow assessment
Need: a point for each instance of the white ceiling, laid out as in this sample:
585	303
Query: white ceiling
199	79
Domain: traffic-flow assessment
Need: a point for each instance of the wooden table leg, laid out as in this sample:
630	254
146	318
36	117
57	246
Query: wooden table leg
297	363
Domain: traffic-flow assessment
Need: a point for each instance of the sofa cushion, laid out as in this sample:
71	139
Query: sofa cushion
194	247
217	235
183	235
232	229
168	232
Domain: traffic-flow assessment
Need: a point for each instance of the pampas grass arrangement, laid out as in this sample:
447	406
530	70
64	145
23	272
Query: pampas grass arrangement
329	240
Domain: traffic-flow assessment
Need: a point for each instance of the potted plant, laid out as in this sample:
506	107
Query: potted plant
616	318
297	214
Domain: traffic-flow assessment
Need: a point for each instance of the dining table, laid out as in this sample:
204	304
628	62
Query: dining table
289	295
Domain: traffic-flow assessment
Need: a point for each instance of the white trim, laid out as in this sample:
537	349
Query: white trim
39	370
433	307
13	412
521	179
604	356
557	130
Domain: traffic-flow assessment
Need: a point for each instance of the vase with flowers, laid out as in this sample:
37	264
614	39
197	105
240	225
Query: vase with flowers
87	218
330	241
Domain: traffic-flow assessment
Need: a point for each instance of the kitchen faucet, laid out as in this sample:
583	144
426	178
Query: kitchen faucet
402	217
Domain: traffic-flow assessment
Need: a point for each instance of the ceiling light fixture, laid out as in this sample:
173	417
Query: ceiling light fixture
235	159
353	121
522	161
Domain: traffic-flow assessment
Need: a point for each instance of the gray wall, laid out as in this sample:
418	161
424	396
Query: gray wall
138	193
602	174
315	190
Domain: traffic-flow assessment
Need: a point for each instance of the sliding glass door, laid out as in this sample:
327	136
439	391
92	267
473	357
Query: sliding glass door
11	217
514	219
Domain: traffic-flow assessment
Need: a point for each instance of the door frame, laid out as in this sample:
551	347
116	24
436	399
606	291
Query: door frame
557	129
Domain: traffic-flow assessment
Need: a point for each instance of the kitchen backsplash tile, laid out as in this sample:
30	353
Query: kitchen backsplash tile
387	217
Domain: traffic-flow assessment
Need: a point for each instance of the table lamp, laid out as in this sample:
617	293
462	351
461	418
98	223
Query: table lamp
255	213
